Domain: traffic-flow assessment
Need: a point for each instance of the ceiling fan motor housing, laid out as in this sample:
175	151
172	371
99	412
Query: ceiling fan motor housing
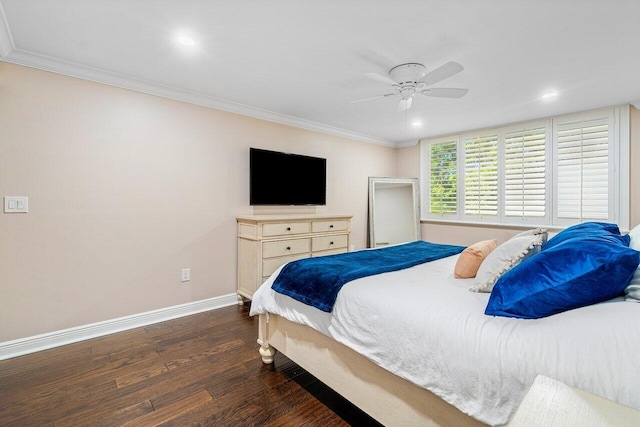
407	73
407	76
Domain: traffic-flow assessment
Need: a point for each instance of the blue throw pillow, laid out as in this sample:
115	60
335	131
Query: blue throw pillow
586	229
571	274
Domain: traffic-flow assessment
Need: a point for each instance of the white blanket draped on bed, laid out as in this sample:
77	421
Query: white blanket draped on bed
425	326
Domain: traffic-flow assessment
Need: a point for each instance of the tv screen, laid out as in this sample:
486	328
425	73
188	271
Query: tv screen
278	178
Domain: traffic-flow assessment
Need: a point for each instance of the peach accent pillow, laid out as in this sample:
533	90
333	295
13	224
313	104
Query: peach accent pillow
470	259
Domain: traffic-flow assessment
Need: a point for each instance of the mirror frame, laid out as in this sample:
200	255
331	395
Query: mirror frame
372	200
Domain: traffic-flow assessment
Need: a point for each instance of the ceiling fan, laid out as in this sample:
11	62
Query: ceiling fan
409	79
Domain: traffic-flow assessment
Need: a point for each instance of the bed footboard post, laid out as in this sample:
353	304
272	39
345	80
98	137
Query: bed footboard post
267	354
266	351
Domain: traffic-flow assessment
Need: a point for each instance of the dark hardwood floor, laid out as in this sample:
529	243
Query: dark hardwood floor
197	370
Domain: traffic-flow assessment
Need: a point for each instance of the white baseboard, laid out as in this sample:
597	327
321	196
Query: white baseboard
19	347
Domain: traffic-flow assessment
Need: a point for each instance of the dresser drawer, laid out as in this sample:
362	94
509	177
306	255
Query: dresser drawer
330	252
326	243
270	265
285	248
285	228
325	226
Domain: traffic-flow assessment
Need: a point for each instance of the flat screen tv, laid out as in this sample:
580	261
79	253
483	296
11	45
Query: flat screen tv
278	178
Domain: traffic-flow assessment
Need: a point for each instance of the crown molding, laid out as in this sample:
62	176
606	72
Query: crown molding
409	143
636	104
9	53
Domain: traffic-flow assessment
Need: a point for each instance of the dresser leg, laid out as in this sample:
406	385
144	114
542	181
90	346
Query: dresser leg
240	300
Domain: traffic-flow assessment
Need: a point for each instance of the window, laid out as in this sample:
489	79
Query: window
556	172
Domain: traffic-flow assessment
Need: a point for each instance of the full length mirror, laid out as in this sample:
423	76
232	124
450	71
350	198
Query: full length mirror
394	211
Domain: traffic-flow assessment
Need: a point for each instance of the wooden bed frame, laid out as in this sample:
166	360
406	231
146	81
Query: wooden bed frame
390	399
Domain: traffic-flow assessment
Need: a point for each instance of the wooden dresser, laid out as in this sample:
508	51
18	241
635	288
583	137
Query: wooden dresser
265	242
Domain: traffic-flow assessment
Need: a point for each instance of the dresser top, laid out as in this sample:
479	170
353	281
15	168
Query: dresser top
290	217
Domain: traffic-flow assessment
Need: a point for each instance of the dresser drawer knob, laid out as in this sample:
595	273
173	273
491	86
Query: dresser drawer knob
288	248
331	226
288	228
330	243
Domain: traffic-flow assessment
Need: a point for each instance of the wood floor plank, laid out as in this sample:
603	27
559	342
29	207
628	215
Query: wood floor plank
310	413
203	369
124	415
179	408
135	377
79	413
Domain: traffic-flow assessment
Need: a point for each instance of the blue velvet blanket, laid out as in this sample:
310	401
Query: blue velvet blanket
317	281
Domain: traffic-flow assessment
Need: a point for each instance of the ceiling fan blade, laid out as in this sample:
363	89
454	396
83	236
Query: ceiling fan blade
374	97
441	73
445	92
380	78
404	104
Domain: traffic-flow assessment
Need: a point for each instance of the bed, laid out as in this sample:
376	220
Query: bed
415	347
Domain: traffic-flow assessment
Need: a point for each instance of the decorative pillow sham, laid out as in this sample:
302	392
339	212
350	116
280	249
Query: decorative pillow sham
575	273
586	229
505	257
470	259
632	291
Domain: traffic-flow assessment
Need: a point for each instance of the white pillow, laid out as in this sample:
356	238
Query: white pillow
632	291
504	258
535	231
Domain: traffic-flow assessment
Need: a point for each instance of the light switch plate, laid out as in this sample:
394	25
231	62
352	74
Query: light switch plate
16	204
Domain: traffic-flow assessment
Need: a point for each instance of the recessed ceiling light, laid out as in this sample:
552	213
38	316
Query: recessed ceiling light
549	95
186	41
416	124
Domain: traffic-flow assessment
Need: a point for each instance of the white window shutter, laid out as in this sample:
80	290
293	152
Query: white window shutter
583	169
481	176
525	174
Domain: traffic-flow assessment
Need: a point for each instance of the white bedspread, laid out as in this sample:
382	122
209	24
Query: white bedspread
424	325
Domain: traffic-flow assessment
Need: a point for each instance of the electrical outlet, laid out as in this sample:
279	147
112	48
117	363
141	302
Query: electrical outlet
186	274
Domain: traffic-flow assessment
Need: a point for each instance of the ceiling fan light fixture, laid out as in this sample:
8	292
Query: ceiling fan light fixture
407	91
405	104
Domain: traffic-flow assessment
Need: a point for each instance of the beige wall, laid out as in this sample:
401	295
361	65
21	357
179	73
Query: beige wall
469	234
126	189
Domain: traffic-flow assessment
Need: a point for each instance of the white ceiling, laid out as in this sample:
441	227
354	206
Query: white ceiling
302	62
